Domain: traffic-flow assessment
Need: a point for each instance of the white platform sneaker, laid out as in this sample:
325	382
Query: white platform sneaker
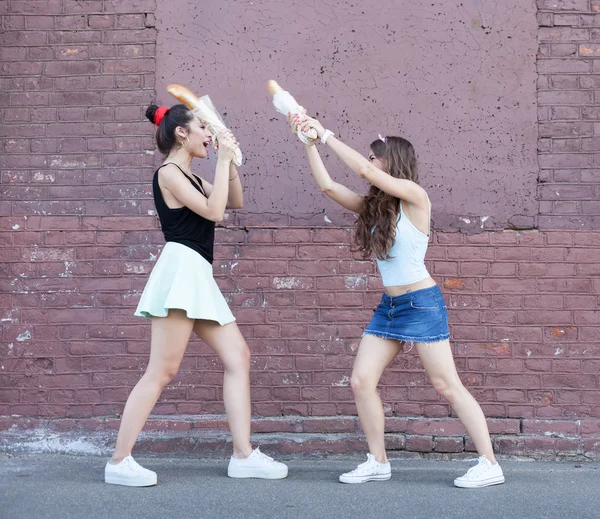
370	470
257	465
483	474
129	473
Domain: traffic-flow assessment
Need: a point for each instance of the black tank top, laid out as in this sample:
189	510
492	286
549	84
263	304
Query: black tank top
183	225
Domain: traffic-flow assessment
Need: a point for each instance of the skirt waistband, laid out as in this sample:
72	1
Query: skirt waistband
409	296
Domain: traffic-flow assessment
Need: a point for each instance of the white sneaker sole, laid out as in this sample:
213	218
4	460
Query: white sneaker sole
498	480
365	479
140	481
246	473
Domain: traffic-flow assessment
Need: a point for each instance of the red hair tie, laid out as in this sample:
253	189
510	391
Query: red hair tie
159	115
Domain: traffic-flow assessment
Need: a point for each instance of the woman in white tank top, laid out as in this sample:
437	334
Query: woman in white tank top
393	223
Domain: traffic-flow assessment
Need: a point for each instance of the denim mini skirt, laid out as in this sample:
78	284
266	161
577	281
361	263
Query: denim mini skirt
419	316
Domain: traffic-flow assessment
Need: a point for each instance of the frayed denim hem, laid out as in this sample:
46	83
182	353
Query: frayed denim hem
407	338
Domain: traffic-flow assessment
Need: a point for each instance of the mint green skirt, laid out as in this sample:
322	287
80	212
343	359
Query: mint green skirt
183	279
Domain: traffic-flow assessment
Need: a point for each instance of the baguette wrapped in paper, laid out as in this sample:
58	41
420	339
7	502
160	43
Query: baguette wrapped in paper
284	103
204	109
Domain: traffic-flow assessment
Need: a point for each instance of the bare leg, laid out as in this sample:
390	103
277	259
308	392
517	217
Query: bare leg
227	342
439	364
374	355
170	336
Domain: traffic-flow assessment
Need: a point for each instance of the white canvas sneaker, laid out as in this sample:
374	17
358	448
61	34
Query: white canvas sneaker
483	474
257	465
129	473
370	470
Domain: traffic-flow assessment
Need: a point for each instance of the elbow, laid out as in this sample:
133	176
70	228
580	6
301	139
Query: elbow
235	205
217	217
236	201
363	171
327	190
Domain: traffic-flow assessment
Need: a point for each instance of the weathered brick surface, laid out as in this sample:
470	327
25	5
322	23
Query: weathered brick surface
79	238
292	435
568	97
77	222
525	345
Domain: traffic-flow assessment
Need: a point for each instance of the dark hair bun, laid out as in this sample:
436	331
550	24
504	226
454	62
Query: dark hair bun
178	115
151	112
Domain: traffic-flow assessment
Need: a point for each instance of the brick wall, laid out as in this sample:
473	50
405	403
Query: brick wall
79	238
569	114
76	214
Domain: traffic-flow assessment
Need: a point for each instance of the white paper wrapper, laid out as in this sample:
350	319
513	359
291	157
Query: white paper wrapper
284	103
207	112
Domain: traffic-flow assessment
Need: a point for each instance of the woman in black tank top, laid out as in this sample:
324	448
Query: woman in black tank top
182	297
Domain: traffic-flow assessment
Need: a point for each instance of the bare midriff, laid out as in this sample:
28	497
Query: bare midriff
398	290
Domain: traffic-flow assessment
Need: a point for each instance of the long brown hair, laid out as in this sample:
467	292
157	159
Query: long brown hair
376	224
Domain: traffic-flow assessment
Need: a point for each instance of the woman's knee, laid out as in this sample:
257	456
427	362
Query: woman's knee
362	382
163	374
447	388
238	359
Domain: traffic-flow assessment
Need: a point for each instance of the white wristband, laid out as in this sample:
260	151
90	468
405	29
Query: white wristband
326	135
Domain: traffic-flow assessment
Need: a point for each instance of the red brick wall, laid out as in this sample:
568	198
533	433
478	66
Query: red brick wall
569	114
79	239
77	156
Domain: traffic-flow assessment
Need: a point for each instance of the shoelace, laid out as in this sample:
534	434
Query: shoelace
362	466
133	465
263	456
477	467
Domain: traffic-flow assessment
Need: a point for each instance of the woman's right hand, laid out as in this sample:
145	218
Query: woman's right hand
306	123
226	145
